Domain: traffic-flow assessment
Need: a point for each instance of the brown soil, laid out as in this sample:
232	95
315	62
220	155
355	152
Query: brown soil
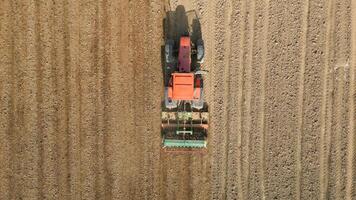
81	88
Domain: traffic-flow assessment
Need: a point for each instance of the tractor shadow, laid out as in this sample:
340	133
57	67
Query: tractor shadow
176	24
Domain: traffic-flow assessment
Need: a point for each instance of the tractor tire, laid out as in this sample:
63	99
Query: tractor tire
200	51
169	46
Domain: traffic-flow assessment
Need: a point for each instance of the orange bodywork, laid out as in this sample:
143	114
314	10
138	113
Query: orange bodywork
183	86
184	60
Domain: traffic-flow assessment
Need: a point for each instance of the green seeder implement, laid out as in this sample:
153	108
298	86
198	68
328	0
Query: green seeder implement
186	130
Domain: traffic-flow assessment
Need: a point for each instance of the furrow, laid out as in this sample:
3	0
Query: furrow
171	183
15	143
131	113
88	123
330	172
210	58
146	130
31	176
218	120
46	98
350	171
57	43
231	173
163	178
120	107
262	105
235	97
39	99
107	24
74	98
325	116
61	97
255	132
337	140
301	92
101	97
16	95
342	78
250	37
153	92
6	53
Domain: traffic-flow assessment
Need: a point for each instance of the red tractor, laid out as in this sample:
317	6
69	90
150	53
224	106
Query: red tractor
185	114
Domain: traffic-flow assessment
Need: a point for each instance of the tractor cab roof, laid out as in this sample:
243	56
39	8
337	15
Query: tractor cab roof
184	60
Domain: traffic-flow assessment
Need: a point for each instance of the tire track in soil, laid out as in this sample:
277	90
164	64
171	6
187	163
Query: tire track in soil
282	98
230	173
218	120
301	96
341	83
351	180
209	43
262	121
250	36
258	58
234	95
326	103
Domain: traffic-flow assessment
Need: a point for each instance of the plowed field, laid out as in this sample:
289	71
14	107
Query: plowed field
81	87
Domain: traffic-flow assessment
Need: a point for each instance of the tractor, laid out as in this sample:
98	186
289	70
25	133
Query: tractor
184	111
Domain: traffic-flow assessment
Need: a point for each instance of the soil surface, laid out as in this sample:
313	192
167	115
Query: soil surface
81	87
